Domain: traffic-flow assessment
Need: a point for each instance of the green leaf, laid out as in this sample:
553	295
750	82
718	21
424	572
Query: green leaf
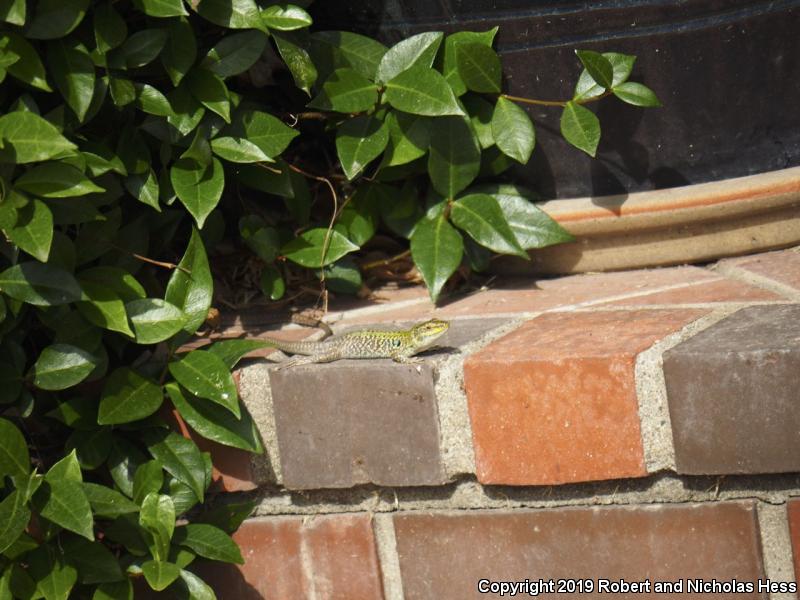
344	276
95	563
636	94
73	72
233	14
229	516
55	18
161	8
91	447
622	65
209	542
27	137
180	51
56	180
106	502
180	458
450	63
232	351
39	284
190	287
482	218
121	590
479	67
285	17
333	50
422	91
14	458
60	366
532	227
143	47
271	283
436	248
110	29
294	53
580	127
127	396
238	150
32	228
359	141
187	111
419	49
210	91
123	92
306	249
157	516
264	241
513	131
205	375
409	138
160	574
235	53
154	320
151	100
262	129
480	115
198	589
144	187
13	11
216	423
198	188
148	480
455	156
77	413
119	280
199	150
346	91
14	518
598	67
104	308
53	576
29	68
64	502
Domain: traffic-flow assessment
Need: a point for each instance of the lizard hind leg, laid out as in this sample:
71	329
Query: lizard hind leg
324	357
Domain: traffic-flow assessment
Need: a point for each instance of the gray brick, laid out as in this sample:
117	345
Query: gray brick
733	393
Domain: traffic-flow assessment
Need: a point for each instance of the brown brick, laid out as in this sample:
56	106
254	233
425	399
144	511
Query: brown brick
555	400
782	266
443	556
722	290
732	392
328	558
793	512
354	422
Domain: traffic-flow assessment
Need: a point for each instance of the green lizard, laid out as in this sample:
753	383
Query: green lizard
400	345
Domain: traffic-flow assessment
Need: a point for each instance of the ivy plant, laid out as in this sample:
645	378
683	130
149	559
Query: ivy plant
145	145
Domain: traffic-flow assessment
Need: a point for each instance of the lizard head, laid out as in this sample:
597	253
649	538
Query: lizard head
424	334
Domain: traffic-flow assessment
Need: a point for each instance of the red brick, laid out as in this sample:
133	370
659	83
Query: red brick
722	290
444	555
337	552
782	266
555	400
344	558
793	512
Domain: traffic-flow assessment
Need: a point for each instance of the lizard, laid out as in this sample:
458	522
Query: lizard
399	345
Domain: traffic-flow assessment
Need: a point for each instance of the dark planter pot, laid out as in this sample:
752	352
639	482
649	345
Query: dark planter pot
728	73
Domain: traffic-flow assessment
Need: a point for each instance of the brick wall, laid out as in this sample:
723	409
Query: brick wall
642	426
